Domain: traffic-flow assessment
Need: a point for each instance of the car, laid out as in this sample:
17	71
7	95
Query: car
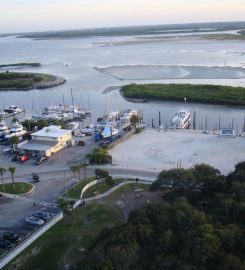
80	143
34	221
12	237
5	244
41	160
35	177
23	158
15	158
42	215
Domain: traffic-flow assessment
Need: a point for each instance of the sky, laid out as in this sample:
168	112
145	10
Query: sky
44	15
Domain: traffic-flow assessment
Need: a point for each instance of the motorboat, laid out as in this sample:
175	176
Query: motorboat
3	128
12	110
16	130
181	119
109	132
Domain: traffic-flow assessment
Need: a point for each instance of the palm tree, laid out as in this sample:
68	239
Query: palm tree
79	171
74	170
12	172
84	166
2	171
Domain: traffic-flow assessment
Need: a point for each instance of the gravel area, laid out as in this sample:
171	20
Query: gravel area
159	150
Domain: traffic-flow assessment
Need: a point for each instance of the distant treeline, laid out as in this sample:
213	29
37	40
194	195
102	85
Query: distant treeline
21	65
200	93
138	30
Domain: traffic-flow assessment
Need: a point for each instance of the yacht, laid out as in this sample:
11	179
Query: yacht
109	132
12	110
3	128
181	119
16	130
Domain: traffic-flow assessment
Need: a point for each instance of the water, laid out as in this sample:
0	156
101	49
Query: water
121	53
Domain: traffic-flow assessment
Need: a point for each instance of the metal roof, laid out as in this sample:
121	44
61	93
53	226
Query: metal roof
52	131
37	145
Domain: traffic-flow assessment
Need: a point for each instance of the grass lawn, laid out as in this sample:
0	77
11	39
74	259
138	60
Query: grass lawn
20	188
76	190
62	244
100	188
129	187
203	93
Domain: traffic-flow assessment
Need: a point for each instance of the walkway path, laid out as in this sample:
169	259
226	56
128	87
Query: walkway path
108	192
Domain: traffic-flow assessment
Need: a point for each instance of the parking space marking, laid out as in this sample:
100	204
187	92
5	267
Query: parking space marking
38	202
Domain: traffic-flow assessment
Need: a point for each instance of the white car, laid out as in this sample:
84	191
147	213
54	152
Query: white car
34	221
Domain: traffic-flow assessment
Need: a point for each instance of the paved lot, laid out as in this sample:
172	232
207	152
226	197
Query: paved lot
60	160
159	150
55	176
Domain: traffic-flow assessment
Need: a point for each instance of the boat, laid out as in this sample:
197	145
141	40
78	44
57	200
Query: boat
9	111
181	119
3	128
109	132
16	130
13	110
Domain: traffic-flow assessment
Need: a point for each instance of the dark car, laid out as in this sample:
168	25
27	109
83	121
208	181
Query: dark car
42	215
35	177
12	237
15	158
41	160
5	244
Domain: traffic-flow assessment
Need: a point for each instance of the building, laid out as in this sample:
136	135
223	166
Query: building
47	141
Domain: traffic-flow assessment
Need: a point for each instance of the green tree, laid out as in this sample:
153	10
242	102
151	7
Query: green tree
98	156
101	173
134	120
2	171
14	141
73	169
12	172
84	167
42	123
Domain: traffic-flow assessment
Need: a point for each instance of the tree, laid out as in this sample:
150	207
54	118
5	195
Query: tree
2	171
14	141
12	172
134	120
98	156
42	123
84	167
74	170
101	173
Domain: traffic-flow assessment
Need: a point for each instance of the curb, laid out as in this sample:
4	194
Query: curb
20	194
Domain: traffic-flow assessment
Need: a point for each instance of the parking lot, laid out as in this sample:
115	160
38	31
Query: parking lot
55	178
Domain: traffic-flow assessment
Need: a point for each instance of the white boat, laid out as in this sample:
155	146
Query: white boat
181	119
16	130
3	128
109	131
13	110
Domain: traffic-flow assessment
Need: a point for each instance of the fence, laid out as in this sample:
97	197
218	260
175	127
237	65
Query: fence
29	240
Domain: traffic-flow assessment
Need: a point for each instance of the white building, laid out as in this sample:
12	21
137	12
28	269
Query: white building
47	141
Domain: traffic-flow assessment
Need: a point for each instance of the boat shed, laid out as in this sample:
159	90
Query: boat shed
47	141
